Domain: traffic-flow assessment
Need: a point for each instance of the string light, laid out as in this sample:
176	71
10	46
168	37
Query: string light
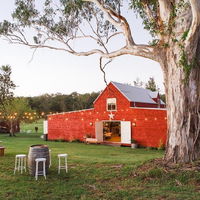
134	124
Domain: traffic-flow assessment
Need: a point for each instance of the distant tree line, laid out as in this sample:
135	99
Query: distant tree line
52	103
48	103
14	110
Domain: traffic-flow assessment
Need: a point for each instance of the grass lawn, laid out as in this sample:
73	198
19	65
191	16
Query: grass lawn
95	172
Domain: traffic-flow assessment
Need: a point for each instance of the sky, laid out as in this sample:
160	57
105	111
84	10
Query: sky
51	71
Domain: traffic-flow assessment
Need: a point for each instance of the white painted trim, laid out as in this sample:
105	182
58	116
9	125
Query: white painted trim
45	127
113	103
107	120
62	113
148	108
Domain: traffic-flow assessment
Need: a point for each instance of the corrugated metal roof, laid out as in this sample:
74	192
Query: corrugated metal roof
134	94
153	94
161	102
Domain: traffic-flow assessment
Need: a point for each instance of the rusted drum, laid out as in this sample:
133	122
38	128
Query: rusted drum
37	151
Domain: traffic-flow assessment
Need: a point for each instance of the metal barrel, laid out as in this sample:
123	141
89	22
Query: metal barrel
37	151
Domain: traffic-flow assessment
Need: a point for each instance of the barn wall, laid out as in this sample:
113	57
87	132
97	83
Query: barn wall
148	126
71	126
111	92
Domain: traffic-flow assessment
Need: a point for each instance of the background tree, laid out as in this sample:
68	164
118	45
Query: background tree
15	112
6	92
138	83
175	25
151	85
52	103
6	86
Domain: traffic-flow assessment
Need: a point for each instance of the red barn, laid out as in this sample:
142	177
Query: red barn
121	113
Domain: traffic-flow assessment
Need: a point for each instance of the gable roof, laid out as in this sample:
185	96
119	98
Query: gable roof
135	94
153	94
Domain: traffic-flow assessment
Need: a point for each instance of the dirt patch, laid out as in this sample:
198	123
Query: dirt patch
169	167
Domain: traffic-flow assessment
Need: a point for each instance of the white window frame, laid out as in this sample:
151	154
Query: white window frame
111	101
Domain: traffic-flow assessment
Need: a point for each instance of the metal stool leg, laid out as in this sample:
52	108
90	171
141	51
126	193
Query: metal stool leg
59	165
44	170
66	165
36	171
21	164
25	164
49	158
15	165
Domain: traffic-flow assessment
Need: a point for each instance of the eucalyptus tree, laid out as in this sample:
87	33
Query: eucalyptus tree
6	86
151	85
174	24
17	111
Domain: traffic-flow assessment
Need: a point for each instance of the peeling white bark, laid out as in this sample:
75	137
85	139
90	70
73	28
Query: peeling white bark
165	10
195	27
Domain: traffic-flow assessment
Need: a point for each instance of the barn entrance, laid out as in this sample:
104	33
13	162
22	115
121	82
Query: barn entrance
112	131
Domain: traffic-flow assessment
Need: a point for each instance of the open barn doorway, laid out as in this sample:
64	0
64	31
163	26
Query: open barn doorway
112	131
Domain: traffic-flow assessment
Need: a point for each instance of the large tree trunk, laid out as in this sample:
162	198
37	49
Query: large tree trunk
183	110
12	129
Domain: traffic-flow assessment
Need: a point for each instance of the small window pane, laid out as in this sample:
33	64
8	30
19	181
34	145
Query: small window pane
111	104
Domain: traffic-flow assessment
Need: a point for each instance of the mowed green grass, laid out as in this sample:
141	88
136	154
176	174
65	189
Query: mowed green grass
95	172
30	127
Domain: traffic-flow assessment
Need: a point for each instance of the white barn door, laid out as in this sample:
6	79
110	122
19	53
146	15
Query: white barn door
99	131
125	132
45	127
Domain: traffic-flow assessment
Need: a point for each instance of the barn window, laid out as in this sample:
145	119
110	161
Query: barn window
111	104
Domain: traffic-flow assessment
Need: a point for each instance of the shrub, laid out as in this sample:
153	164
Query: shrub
161	145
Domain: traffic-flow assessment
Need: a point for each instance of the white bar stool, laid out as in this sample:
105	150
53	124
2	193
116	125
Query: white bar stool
37	172
20	163
64	155
49	158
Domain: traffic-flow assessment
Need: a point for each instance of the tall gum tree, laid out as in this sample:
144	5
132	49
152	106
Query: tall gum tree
175	26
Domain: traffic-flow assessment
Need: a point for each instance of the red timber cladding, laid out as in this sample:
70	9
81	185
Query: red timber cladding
150	129
111	92
150	126
71	126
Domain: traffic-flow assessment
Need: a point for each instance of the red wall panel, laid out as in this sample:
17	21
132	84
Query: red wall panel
150	129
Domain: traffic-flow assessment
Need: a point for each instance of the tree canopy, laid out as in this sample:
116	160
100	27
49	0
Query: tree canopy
6	86
151	85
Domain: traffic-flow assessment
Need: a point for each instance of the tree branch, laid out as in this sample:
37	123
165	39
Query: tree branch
121	23
165	10
195	27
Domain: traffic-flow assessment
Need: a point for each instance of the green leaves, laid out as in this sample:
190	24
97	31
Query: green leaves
6	86
139	7
71	6
25	12
6	27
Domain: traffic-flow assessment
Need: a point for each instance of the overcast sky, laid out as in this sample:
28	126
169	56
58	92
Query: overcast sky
53	71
